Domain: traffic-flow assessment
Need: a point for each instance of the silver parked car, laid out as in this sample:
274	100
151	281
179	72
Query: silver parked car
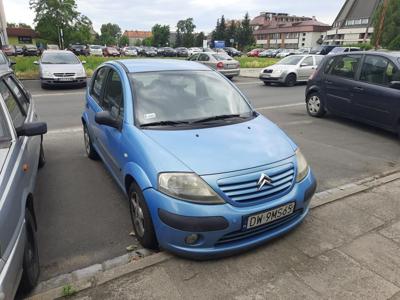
5	63
60	68
21	153
221	62
291	69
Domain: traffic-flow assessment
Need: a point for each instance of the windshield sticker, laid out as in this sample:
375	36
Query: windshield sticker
149	116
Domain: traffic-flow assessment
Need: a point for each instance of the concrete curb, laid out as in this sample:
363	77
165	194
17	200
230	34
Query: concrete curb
99	274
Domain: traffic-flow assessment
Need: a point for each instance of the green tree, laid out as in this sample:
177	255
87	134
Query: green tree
231	33
184	33
147	41
199	39
389	35
55	16
123	41
160	35
110	34
245	33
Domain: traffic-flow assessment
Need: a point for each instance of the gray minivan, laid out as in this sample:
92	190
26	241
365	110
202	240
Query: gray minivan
21	153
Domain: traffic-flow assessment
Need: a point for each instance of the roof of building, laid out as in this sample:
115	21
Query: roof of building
153	65
137	34
302	26
18	31
356	9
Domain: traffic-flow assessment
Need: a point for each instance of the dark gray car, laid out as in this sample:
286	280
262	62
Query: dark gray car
21	153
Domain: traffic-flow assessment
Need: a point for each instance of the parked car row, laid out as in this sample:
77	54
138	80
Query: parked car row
25	50
281	52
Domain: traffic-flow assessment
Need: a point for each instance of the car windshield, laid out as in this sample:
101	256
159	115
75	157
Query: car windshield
60	58
337	50
222	56
290	60
176	96
95	47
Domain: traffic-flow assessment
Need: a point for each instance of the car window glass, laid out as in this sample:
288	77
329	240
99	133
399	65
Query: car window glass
98	83
318	59
378	70
113	100
4	132
308	61
13	107
345	66
3	59
203	57
23	100
194	57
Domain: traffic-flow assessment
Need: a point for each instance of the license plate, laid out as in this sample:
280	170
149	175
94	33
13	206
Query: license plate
66	79
270	215
266	76
230	66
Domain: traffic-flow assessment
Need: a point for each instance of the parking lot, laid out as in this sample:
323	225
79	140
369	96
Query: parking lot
84	218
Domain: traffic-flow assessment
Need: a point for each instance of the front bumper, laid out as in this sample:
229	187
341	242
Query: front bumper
221	227
63	82
270	77
230	72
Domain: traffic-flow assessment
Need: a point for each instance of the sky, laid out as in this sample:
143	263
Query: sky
142	14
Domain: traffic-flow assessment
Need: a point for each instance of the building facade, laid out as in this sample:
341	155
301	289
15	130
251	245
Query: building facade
281	30
353	25
3	26
136	37
20	36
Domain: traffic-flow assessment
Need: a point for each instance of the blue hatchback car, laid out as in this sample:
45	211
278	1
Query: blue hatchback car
205	174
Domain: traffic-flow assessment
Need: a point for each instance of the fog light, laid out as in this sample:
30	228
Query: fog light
192	239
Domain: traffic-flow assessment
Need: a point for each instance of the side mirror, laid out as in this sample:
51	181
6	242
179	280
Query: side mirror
83	62
105	118
395	85
12	63
32	129
36	62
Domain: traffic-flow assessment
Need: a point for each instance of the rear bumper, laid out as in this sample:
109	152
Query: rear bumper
230	72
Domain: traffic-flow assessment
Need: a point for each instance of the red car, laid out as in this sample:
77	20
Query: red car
111	51
9	50
254	52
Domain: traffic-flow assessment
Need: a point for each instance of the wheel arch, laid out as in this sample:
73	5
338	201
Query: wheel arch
134	173
31	208
313	89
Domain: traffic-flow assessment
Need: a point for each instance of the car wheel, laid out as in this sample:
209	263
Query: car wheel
42	158
141	219
44	86
315	105
30	265
291	80
267	83
90	151
229	77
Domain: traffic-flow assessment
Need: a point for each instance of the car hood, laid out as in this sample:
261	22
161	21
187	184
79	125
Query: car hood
61	68
3	156
226	148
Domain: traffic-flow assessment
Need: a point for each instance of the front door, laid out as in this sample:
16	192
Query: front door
306	68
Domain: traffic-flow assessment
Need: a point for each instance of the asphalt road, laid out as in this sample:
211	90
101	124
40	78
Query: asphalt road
83	217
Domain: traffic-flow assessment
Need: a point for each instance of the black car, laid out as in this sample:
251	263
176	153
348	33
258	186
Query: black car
79	49
30	50
322	50
169	52
182	52
149	52
232	51
364	86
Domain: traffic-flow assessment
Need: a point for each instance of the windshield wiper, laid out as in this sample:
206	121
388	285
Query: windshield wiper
216	118
164	123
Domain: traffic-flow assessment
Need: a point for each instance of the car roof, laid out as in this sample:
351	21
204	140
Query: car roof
394	54
152	65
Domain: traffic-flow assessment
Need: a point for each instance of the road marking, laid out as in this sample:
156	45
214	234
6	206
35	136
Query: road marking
280	106
65	130
57	94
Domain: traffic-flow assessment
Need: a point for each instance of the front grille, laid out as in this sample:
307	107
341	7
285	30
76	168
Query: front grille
268	71
244	234
244	188
64	74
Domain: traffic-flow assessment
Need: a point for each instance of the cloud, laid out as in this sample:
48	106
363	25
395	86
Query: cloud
143	14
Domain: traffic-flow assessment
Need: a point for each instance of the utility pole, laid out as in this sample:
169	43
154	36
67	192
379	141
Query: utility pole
381	23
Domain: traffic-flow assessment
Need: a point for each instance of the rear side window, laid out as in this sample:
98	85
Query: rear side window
98	83
308	61
16	89
345	66
13	107
379	70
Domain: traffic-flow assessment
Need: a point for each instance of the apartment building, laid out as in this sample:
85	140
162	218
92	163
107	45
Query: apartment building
353	24
281	30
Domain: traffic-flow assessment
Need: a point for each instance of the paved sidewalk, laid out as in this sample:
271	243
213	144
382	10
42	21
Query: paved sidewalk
347	249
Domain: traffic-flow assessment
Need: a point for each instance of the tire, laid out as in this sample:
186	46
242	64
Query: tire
90	151
31	267
44	86
141	218
42	157
229	77
291	80
267	83
315	105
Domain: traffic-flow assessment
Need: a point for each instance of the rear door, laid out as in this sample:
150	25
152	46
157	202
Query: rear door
339	81
374	100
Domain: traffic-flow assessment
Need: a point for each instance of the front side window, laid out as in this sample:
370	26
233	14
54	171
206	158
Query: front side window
4	132
194	57
23	100
184	96
345	66
13	107
98	83
203	57
378	70
113	100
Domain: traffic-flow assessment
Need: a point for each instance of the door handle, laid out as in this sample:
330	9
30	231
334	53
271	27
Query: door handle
358	89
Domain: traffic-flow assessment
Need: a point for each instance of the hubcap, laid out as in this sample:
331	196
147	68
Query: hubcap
87	141
137	215
314	104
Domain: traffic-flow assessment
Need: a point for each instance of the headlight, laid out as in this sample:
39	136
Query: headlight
188	187
47	74
81	73
278	72
302	166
